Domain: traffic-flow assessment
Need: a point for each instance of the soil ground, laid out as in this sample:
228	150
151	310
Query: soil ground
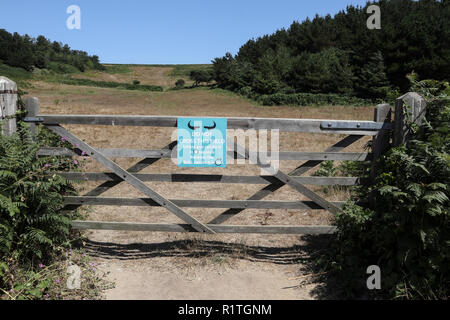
192	266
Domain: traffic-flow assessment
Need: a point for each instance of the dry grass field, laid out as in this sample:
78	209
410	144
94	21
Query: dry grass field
190	262
158	76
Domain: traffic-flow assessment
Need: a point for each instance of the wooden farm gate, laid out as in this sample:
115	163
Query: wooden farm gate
379	129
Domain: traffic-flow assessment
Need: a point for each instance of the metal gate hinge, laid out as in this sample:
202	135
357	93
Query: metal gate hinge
33	119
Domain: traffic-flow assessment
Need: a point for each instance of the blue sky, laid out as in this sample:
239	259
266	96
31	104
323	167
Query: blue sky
160	32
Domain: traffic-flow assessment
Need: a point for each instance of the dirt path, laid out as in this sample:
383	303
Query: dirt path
200	269
204	286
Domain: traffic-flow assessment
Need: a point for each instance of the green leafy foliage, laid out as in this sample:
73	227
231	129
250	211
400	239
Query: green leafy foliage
35	233
32	223
201	75
28	53
309	99
340	55
359	169
407	231
180	83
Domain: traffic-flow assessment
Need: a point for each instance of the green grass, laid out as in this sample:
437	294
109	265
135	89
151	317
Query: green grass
14	73
18	75
117	68
184	70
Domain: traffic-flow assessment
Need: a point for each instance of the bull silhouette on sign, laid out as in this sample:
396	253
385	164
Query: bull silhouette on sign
190	126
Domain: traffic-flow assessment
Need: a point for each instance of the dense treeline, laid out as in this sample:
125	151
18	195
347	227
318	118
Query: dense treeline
341	55
27	53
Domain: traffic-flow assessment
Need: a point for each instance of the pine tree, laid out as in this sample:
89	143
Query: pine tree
373	82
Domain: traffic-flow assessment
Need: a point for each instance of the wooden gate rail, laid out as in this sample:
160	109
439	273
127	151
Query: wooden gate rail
367	128
242	204
218	228
354	129
211	178
167	154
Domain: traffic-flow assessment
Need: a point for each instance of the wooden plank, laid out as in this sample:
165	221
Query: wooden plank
303	168
380	143
111	153
284	125
243	204
209	178
131	179
134	226
338	156
339	146
8	106
32	107
164	153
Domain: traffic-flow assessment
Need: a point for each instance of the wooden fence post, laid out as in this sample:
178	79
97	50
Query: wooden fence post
380	143
32	106
8	105
409	108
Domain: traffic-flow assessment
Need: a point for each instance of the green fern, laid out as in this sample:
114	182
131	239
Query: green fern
407	231
32	223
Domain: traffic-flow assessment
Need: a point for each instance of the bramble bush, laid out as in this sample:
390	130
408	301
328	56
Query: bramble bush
407	231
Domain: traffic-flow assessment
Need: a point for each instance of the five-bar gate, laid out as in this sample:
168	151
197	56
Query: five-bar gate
354	130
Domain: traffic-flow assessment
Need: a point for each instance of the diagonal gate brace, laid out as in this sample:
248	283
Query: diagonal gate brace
102	188
271	188
286	179
132	180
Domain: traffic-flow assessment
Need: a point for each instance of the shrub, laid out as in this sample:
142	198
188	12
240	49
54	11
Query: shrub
407	231
180	83
29	200
202	75
136	82
62	67
34	228
32	223
311	99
